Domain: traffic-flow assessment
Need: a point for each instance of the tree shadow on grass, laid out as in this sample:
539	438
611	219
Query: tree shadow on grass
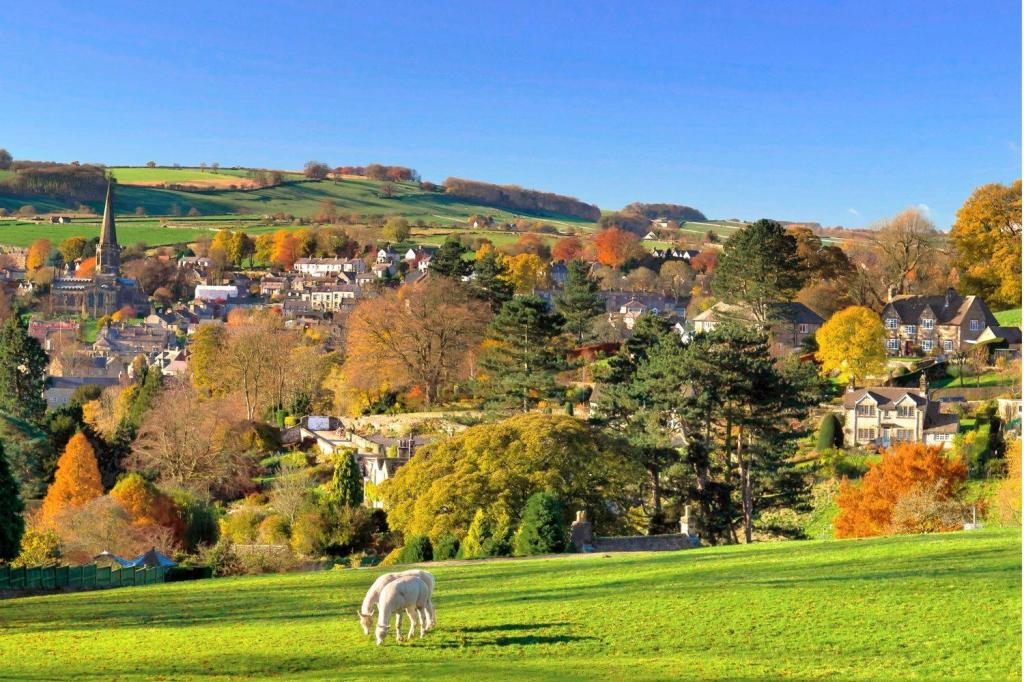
505	627
518	640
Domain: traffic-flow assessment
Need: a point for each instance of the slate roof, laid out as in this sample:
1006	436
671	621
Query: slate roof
794	312
948	308
884	396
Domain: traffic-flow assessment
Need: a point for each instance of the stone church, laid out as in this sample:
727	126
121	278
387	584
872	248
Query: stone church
106	291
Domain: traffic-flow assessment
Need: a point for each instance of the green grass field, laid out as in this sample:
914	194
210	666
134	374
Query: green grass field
926	607
1009	318
130	230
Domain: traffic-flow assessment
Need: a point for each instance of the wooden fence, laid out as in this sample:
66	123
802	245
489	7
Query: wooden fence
88	576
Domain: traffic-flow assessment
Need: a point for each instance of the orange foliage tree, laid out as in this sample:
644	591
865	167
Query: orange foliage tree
566	249
87	268
615	246
1008	495
76	482
286	249
38	252
906	470
146	504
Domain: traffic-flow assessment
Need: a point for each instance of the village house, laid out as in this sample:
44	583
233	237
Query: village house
274	286
121	339
195	262
790	325
331	297
216	292
53	333
916	325
325	267
881	416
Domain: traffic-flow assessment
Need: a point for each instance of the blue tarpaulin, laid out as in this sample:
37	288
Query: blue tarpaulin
150	558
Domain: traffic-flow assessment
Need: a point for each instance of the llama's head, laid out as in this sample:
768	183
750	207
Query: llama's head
382	632
366	620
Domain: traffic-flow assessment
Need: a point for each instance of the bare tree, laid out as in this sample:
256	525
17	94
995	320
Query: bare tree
290	491
906	242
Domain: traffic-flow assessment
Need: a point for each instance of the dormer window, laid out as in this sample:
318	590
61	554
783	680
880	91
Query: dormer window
905	411
891	323
865	410
928	324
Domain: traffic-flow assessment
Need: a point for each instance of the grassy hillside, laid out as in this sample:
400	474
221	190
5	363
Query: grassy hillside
926	607
1009	318
300	198
129	230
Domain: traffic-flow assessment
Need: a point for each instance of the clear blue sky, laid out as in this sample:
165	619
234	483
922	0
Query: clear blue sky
837	112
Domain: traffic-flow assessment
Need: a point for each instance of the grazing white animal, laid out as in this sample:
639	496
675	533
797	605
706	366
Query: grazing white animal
407	593
370	600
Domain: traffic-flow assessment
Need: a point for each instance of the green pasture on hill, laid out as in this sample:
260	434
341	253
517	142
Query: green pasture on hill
924	607
140	174
1009	318
129	230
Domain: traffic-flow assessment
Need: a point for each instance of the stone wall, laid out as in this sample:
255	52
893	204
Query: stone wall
583	539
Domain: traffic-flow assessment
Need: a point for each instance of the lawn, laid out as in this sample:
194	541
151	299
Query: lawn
1008	318
993	378
925	607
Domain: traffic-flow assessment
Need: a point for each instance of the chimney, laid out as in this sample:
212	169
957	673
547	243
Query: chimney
890	293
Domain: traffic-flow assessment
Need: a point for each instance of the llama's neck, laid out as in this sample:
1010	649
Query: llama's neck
370	600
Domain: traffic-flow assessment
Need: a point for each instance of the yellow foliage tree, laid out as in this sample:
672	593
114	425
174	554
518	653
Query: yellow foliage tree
1008	496
852	342
76	482
38	252
525	272
987	241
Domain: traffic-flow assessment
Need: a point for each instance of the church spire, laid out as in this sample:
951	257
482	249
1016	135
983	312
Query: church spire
108	253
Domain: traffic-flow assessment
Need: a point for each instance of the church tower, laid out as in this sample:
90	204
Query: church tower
108	253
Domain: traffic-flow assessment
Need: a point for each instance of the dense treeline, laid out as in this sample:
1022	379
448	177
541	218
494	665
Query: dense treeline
676	212
71	182
516	198
376	171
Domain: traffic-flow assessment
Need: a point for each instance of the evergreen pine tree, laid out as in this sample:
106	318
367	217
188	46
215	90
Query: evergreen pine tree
489	283
448	261
347	483
12	524
758	267
22	371
522	354
541	530
580	301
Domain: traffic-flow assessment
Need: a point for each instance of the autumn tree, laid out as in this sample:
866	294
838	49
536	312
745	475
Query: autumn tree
615	246
580	301
316	170
146	504
290	490
1008	494
757	268
497	467
906	241
12	524
419	336
987	244
71	248
853	343
521	354
396	229
38	253
525	271
567	249
22	371
76	482
867	508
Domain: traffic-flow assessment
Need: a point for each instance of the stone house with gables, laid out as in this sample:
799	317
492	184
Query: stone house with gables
882	416
923	325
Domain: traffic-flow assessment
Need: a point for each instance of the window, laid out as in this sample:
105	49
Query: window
865	410
910	330
926	345
865	434
905	411
928	324
975	325
892	344
947	345
804	328
891	322
904	435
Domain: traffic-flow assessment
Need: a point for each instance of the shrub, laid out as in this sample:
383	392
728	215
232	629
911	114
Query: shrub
926	509
416	550
541	530
1007	508
478	538
867	509
242	525
268	560
200	519
830	434
222	559
39	547
392	557
274	530
446	547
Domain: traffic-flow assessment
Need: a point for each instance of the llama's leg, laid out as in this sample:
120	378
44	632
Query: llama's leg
398	625
430	613
413	618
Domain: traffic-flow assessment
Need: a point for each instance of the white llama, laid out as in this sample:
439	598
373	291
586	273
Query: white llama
407	593
370	600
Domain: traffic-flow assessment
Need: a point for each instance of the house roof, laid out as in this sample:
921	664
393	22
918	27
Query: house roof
794	312
936	421
884	396
948	308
